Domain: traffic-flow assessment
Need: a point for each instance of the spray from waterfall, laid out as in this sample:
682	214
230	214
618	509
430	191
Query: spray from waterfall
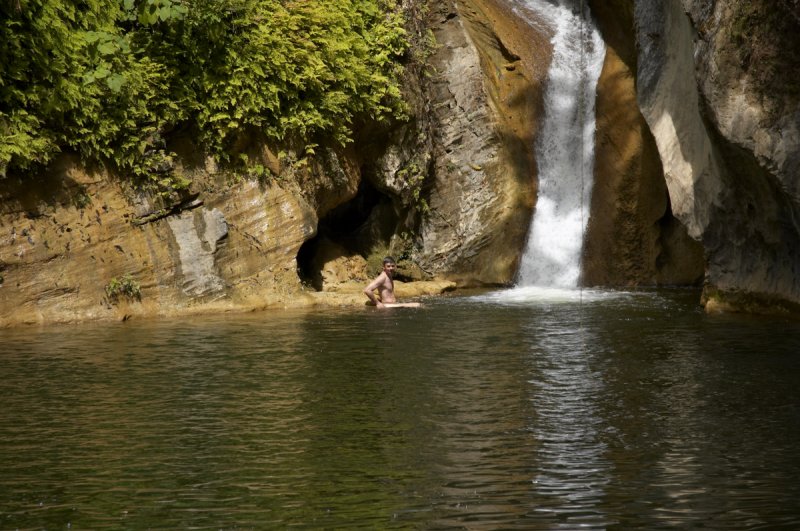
565	147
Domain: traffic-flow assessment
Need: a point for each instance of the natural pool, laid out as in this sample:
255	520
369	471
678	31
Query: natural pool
518	409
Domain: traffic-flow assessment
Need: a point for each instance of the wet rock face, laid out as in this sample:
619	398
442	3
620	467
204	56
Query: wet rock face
486	102
633	237
697	143
484	108
725	121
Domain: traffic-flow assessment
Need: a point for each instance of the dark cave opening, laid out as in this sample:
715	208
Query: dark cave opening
357	225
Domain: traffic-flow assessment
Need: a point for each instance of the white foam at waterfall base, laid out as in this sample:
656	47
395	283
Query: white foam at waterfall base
544	295
564	149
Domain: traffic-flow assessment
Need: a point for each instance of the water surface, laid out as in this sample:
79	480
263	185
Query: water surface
516	409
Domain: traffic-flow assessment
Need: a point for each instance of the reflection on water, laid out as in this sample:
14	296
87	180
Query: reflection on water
515	409
573	468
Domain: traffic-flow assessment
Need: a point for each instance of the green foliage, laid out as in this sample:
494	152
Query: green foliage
72	80
124	287
401	249
413	179
294	70
110	79
253	170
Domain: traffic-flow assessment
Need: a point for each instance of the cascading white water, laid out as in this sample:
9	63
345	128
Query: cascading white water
565	147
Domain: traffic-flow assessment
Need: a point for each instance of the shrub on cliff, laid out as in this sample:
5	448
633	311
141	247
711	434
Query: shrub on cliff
110	79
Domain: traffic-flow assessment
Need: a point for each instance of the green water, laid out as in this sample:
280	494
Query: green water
508	410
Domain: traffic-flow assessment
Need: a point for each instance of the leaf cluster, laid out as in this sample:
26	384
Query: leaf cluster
111	79
123	287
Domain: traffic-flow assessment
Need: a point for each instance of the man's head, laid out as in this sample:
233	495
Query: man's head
389	265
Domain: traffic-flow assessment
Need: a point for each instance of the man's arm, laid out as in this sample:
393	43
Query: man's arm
369	291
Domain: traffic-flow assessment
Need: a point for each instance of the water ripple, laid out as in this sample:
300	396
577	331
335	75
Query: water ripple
630	411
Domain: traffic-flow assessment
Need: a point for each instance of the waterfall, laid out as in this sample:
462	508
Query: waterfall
565	146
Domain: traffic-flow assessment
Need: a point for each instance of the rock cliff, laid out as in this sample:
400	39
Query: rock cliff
696	173
486	100
81	245
633	237
712	84
696	176
69	237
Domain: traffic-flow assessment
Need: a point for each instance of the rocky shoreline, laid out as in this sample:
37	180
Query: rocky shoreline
346	294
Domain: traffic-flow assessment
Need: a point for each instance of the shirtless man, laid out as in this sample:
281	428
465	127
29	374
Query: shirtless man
384	284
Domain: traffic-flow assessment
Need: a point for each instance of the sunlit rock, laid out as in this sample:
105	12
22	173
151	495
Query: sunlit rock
198	234
485	103
713	87
633	237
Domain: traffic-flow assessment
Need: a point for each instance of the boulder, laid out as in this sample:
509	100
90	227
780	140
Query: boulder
334	266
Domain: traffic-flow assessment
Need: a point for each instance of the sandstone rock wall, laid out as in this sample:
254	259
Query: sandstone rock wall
492	64
697	165
486	100
230	245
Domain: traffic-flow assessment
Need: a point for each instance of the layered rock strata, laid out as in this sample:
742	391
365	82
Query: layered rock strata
78	244
65	242
696	172
486	101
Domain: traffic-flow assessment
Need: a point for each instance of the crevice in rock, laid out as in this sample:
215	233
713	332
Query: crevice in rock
680	260
507	54
190	202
